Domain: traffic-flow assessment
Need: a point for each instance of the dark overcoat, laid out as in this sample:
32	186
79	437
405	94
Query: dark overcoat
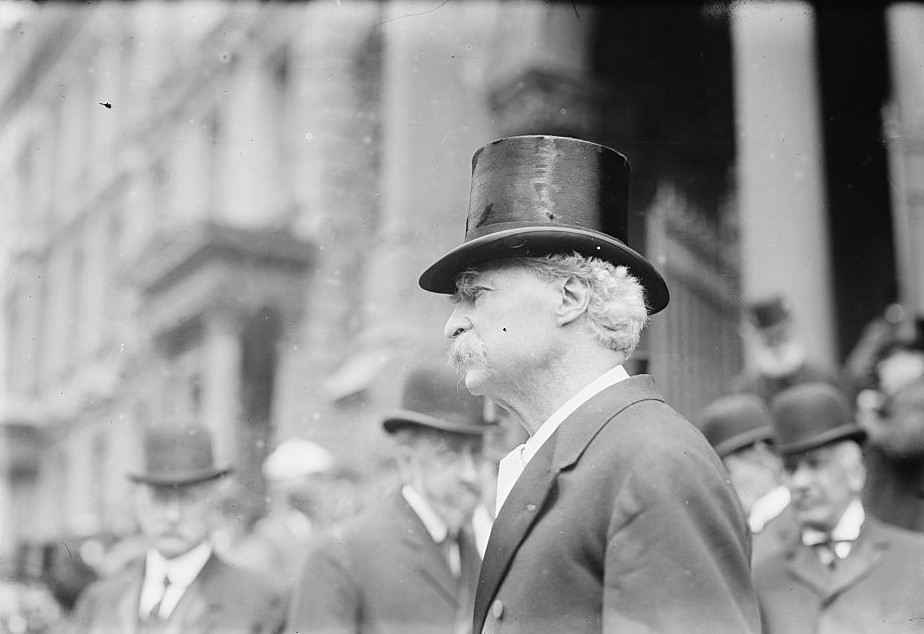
876	589
382	573
221	600
624	521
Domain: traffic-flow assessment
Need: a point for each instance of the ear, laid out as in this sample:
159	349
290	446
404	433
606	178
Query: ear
573	301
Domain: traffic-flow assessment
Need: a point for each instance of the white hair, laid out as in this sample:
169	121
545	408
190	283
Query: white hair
617	312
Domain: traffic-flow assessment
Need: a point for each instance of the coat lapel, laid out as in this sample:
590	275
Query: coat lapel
426	554
127	605
805	567
866	556
525	502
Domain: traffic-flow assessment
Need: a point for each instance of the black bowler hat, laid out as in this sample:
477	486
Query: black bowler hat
177	455
536	195
736	421
435	398
810	415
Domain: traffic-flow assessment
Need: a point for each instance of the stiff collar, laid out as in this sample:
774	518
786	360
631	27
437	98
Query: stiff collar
545	431
768	508
847	529
181	571
431	521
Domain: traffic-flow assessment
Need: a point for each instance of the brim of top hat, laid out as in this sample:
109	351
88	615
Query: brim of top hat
740	441
407	418
531	241
851	431
180	478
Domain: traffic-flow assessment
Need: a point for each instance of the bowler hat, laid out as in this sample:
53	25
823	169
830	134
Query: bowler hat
769	312
736	421
434	398
176	455
810	415
537	195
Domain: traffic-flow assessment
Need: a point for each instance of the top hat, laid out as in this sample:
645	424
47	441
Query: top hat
177	455
736	421
434	398
769	312
536	195
810	415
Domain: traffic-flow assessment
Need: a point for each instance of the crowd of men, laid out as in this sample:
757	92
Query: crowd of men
792	504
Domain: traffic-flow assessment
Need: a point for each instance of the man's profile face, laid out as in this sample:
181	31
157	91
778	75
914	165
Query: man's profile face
176	519
752	473
503	328
823	483
447	470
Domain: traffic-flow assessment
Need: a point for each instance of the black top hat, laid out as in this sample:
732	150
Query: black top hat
435	398
536	195
810	415
177	455
768	312
734	422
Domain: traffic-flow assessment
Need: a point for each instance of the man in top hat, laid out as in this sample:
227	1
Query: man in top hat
408	564
779	357
179	585
616	515
844	571
740	429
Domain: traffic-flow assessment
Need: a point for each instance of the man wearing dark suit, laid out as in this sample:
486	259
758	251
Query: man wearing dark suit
740	429
407	565
616	514
845	571
179	586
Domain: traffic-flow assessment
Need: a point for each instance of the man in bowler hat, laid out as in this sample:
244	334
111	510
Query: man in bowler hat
740	429
616	515
844	571
180	585
407	565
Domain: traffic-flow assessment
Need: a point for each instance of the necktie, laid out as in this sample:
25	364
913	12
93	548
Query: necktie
156	611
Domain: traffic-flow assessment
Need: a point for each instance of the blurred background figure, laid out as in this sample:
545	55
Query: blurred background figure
740	428
779	357
844	571
892	413
180	585
410	562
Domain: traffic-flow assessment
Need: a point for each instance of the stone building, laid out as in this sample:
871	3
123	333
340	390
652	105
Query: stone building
218	211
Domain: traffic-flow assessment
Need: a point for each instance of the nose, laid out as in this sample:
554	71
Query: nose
799	478
173	509
457	323
469	467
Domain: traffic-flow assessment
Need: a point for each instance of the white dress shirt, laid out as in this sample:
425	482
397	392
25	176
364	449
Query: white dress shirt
512	465
181	571
844	534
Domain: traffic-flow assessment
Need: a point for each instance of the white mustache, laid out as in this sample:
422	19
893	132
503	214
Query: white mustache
466	352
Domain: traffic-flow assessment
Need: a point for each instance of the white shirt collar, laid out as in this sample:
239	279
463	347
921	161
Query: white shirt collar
545	431
511	465
181	571
847	529
431	521
768	508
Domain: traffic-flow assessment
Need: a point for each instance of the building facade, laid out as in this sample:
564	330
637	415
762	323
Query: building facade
218	212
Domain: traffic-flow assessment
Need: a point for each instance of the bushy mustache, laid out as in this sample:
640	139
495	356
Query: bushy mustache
466	352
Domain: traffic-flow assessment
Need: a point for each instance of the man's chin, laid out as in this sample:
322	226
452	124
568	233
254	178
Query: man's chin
474	381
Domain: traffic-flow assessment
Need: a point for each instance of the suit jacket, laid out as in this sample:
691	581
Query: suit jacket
775	535
221	600
624	521
381	572
876	589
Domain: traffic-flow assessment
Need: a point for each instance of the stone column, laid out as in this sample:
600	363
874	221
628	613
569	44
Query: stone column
905	133
221	382
782	201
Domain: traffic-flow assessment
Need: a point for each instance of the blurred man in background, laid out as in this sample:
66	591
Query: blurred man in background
779	357
180	585
844	571
893	416
408	564
740	429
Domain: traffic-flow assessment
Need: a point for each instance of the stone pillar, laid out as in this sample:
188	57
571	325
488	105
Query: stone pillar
905	136
221	382
782	201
